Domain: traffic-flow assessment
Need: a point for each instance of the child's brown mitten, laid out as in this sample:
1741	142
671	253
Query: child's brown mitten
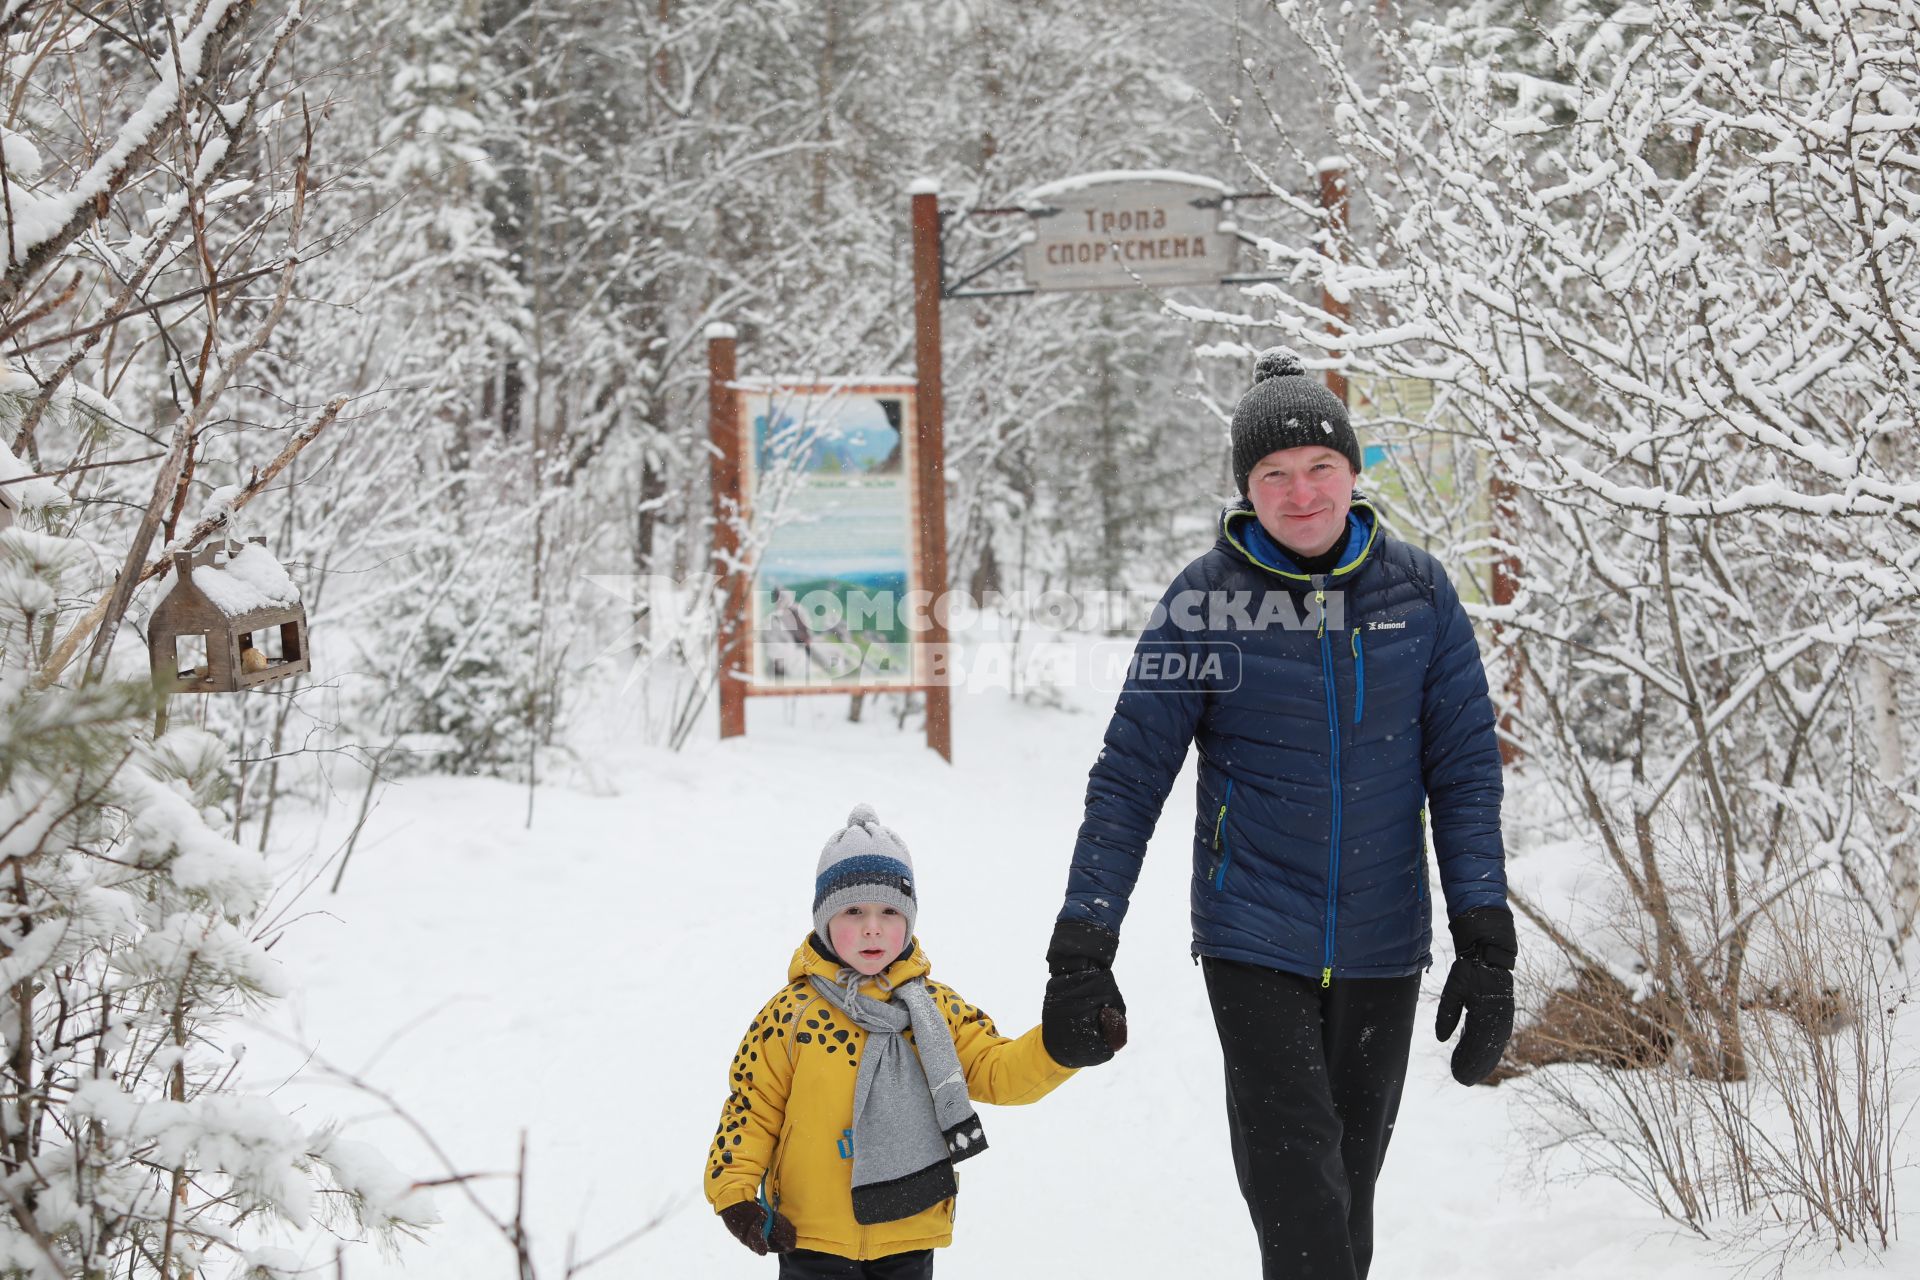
760	1229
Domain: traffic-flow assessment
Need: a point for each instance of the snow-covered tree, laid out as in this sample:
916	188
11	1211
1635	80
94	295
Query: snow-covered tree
157	176
131	932
1657	262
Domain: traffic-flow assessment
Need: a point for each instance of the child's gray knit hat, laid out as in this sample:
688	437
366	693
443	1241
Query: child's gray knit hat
863	862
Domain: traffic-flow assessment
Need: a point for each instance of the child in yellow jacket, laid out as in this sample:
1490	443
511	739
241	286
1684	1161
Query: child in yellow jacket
850	1099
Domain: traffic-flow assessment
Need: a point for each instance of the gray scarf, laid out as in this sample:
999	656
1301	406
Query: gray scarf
911	1116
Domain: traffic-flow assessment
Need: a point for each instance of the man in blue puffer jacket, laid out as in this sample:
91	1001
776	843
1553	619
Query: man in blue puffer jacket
1330	679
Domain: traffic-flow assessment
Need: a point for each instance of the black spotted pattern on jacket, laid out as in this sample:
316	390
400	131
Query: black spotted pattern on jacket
798	1021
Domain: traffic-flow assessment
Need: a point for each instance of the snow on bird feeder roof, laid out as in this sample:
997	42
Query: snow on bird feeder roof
251	580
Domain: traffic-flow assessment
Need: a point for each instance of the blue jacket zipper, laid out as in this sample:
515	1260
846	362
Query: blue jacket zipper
1333	732
1359	677
1220	835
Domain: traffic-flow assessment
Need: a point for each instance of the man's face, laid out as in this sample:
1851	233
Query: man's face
868	936
1302	496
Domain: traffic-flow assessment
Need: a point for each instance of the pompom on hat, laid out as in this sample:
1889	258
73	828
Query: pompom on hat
1285	408
863	862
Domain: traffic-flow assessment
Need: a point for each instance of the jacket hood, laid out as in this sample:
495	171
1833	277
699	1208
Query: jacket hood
807	962
1241	535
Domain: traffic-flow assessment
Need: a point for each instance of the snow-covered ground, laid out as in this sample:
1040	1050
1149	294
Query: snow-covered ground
584	981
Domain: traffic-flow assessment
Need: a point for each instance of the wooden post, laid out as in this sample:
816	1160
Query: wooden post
723	430
931	482
1333	198
1503	514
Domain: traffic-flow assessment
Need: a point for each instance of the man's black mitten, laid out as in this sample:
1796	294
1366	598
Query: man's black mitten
1481	982
1083	1020
759	1228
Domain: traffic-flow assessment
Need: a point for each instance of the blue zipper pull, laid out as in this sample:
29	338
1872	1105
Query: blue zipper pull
1219	833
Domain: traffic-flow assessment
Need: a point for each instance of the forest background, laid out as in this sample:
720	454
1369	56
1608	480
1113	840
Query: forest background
418	292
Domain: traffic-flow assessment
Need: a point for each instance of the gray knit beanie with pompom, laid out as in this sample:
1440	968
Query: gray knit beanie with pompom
863	862
1285	408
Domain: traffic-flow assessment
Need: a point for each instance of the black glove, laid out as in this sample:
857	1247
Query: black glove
1083	1020
759	1228
1481	982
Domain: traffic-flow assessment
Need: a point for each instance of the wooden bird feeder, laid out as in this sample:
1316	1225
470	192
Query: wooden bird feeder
238	603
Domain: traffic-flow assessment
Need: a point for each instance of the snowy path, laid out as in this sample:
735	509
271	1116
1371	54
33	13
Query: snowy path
586	981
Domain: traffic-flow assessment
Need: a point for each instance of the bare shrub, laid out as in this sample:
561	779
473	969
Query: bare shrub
1804	1142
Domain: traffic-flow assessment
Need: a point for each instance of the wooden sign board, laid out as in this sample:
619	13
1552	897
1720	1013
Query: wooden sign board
1127	228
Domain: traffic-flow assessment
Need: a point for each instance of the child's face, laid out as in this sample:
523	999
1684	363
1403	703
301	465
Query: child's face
868	936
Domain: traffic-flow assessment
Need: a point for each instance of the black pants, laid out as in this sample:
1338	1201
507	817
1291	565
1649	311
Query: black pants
1313	1084
805	1264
